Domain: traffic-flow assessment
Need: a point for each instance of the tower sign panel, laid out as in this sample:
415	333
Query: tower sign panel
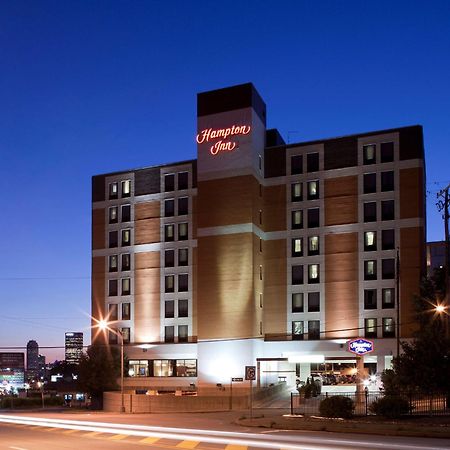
222	137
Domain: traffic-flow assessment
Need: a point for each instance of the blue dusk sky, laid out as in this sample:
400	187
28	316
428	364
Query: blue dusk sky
89	87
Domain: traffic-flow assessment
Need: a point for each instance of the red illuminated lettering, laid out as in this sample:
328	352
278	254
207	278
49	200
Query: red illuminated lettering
209	134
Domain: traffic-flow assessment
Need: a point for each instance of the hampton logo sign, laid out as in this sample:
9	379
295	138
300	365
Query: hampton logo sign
360	346
224	142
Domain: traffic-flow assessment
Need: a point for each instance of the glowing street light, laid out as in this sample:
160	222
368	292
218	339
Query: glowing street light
440	309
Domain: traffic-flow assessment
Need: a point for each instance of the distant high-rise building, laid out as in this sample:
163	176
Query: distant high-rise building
41	366
32	359
74	347
12	370
435	256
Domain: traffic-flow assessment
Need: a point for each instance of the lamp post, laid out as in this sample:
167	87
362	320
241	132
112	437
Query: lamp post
41	387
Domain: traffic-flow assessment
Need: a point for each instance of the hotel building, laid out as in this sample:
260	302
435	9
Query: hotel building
259	253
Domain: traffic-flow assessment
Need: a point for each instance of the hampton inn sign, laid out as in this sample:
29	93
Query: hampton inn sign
222	134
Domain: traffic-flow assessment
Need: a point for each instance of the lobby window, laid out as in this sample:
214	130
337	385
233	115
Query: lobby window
113	238
296	164
126	262
369	154
313	301
370	328
370	299
370	241
182	333
297	219
113	214
313	217
313	190
113	312
313	273
113	191
165	367
297	302
387	239
387	181
297	330
370	183
388	269
182	206
388	298
169	336
169	258
126	311
138	368
182	231
126	188
183	256
169	208
297	247
183	179
183	282
370	212
296	192
169	309
370	270
169	232
169	182
297	274
313	330
183	308
169	283
387	210
112	266
312	162
313	245
126	213
388	327
126	238
112	288
387	152
126	286
186	368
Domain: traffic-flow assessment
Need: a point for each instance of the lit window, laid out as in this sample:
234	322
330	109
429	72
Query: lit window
370	327
296	192
313	301
313	330
113	263
126	311
313	190
297	330
138	368
169	309
388	327
169	232
126	238
169	335
113	216
297	220
126	188
165	367
370	240
388	298
370	270
297	247
183	256
313	245
370	299
113	191
297	302
369	156
186	368
182	231
126	261
313	273
182	333
169	283
126	286
126	213
112	312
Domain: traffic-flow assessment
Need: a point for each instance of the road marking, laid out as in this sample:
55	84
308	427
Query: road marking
118	437
236	447
149	440
188	444
92	434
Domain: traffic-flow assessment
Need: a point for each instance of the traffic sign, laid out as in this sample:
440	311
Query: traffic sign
237	379
360	346
250	372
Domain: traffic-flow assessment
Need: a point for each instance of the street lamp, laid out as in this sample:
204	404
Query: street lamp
41	387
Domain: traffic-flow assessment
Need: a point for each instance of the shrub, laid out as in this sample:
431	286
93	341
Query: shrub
337	406
390	406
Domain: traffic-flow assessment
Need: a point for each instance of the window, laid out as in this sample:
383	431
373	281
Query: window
370	328
296	164
169	283
169	207
370	299
183	282
125	335
388	269
388	239
113	239
169	258
113	191
297	247
370	241
312	162
126	311
388	327
113	312
387	181
313	330
260	272
370	270
313	245
126	188
182	231
168	334
387	210
388	298
126	261
183	256
297	274
169	309
296	192
126	213
113	216
126	238
313	301
387	152
369	154
138	368
260	217
164	367
112	337
313	273
169	232
297	330
313	218
313	190
183	179
370	183
297	219
183	308
182	333
186	368
297	302
112	288
182	206
112	263
370	212
126	286
169	182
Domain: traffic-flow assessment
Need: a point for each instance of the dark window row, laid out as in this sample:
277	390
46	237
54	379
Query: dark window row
169	333
113	262
113	311
387	240
313	218
387	211
387	269
125	287
183	283
312	163
169	308
113	238
169	206
169	181
113	336
385	149
313	274
370	182
387	298
298	302
298	330
113	214
183	257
